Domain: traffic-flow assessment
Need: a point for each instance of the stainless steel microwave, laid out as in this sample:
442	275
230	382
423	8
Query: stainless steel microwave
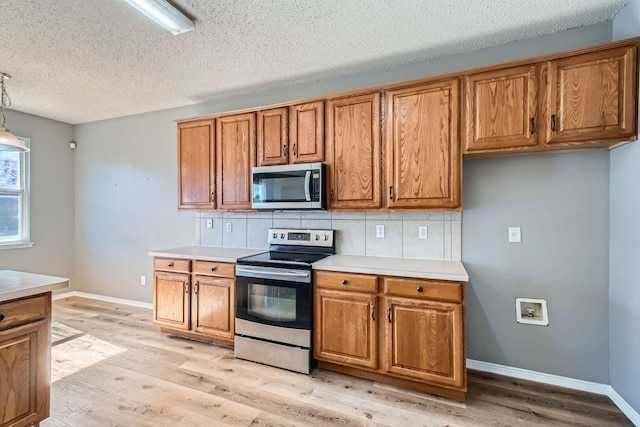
289	187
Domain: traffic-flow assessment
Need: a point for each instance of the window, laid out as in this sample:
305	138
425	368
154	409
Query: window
14	198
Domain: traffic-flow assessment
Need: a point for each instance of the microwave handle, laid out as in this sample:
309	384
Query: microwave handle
307	185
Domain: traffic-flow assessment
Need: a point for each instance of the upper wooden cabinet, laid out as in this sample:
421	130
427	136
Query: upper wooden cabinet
196	165
353	152
423	148
500	109
235	157
580	100
306	132
592	98
273	137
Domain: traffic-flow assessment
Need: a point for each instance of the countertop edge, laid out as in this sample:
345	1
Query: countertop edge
27	292
393	272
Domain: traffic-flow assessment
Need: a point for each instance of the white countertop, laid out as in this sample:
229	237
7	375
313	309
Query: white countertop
407	267
17	284
207	253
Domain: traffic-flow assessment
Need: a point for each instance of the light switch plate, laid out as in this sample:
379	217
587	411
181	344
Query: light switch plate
209	223
229	227
380	231
514	235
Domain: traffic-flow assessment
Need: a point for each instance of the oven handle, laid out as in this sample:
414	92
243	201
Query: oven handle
270	272
307	184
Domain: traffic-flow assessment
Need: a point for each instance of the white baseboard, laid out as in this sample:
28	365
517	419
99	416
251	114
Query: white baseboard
130	302
557	380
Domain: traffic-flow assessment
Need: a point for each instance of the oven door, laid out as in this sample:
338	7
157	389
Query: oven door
275	301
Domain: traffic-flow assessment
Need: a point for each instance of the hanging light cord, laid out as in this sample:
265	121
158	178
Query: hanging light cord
5	101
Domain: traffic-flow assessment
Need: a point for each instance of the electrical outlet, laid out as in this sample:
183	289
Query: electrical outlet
380	231
209	223
514	235
143	281
229	227
422	232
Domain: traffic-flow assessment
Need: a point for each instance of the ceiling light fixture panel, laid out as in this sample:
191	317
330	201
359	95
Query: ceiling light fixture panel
164	14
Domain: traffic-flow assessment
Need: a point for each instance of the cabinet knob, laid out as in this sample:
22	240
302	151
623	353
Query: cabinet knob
170	264
1	317
344	281
213	268
419	289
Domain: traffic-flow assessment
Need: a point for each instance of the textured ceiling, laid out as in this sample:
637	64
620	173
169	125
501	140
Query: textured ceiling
84	60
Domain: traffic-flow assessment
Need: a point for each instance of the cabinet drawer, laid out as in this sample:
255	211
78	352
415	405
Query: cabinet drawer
23	311
424	289
346	281
172	264
212	268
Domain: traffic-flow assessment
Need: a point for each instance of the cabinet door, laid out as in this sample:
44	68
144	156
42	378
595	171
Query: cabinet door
213	306
500	109
25	372
171	300
353	152
592	98
423	146
345	329
196	165
273	137
425	340
306	132
236	156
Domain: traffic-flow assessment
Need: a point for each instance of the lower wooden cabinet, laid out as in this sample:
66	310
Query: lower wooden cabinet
25	367
199	305
410	332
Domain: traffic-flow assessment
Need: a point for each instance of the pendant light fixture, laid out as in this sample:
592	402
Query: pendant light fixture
8	141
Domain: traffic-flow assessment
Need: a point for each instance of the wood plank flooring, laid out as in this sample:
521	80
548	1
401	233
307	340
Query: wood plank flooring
166	381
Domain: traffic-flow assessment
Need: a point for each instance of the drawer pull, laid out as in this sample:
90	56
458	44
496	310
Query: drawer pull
344	281
1	317
213	268
419	289
170	264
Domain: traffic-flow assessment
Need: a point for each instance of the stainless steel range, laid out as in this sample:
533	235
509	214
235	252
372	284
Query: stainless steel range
274	299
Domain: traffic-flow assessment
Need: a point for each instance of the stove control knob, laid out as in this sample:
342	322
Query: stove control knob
282	235
317	237
325	237
274	235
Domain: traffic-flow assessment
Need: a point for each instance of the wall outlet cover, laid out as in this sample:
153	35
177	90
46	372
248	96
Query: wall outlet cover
380	231
422	232
532	311
514	235
143	280
229	227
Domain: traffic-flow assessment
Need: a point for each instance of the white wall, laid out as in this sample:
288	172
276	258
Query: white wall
52	209
624	278
126	205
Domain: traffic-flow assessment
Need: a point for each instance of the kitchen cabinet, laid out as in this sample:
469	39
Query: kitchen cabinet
306	132
592	98
273	137
423	147
195	299
410	332
353	152
235	156
501	109
196	165
345	328
576	101
25	368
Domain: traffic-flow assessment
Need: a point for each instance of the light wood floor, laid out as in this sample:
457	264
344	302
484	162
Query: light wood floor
164	381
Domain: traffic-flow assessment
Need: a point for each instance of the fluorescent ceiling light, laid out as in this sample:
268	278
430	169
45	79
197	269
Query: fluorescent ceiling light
164	14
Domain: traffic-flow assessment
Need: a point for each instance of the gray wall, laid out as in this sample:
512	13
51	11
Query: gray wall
561	204
126	205
624	268
52	210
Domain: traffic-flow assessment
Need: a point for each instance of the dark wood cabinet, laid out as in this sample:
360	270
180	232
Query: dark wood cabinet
306	132
273	137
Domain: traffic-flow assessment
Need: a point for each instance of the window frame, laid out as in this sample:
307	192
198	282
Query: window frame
24	237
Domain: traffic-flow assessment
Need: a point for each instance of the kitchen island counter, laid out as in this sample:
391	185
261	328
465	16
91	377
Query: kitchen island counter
18	284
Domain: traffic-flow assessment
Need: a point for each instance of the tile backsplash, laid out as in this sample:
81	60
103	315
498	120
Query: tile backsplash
355	231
